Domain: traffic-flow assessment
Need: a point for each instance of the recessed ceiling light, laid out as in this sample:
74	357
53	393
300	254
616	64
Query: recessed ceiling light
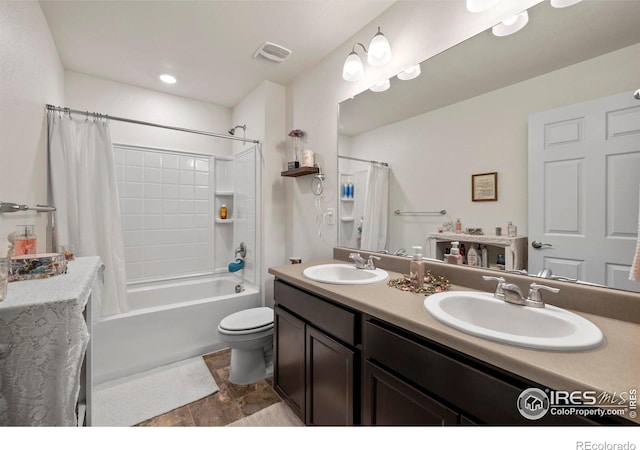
166	78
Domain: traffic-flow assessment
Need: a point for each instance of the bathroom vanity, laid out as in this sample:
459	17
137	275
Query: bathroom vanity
371	355
45	325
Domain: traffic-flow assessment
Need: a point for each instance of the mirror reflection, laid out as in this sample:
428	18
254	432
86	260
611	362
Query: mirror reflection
482	107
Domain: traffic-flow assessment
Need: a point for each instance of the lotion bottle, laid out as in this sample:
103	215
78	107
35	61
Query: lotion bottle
416	269
485	256
472	257
454	255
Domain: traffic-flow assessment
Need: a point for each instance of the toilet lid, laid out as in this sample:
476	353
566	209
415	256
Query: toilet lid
248	319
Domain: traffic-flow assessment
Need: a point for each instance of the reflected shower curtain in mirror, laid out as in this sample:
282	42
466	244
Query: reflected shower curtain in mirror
82	177
376	208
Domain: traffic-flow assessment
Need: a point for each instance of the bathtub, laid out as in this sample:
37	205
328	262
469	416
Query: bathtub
168	322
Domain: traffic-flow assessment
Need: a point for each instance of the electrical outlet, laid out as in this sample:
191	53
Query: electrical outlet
331	216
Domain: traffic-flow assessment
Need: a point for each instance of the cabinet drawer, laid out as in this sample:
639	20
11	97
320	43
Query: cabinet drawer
470	390
326	316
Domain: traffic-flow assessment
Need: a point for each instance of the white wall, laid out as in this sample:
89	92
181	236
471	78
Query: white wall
88	93
434	154
417	31
31	76
263	111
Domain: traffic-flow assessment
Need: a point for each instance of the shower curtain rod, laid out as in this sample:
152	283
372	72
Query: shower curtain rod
364	160
149	124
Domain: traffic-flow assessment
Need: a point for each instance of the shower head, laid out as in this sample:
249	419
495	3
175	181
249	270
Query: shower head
232	131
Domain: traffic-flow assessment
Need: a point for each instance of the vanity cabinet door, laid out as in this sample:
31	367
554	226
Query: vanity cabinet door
330	380
289	360
388	400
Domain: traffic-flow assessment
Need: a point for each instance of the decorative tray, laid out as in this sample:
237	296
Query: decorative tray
36	266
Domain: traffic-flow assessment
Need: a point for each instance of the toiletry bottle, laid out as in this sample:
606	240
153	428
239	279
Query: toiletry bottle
345	189
485	256
416	269
472	257
512	230
454	257
463	253
458	226
223	212
26	240
350	189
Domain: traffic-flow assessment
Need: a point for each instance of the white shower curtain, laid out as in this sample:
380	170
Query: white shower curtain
376	208
84	190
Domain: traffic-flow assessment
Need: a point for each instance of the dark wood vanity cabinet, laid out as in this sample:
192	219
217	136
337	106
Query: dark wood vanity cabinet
316	357
338	366
409	380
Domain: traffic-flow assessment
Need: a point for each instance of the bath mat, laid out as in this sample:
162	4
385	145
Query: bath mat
133	399
276	415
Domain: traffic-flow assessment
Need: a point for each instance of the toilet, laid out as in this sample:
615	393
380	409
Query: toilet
249	335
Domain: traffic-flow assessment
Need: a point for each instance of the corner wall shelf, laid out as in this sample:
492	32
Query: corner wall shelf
218	220
300	171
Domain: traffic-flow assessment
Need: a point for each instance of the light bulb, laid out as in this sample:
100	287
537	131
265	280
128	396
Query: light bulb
379	50
381	86
166	78
353	69
410	73
511	25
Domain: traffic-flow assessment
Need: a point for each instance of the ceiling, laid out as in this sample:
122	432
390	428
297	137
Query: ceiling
207	45
553	39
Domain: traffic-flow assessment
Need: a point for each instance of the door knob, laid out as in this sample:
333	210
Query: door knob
538	244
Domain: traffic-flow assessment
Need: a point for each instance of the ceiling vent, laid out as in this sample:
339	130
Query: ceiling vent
272	52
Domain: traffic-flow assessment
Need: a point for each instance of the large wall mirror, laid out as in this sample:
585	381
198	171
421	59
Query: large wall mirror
469	113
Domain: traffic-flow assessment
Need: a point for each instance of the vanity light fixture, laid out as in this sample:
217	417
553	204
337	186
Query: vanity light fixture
563	3
480	5
166	78
381	86
379	53
511	25
410	73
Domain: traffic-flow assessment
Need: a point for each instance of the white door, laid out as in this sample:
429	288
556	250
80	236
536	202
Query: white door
584	182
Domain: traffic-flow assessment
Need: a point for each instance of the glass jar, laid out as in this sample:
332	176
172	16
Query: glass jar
26	240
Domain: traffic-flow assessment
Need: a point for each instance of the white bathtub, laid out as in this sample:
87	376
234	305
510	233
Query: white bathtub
168	322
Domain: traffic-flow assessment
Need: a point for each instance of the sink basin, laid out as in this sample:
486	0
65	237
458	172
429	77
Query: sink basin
344	274
480	314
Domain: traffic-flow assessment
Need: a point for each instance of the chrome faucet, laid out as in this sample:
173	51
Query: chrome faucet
511	293
358	260
371	264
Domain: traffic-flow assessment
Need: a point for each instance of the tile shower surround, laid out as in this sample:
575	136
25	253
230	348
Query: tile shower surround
166	202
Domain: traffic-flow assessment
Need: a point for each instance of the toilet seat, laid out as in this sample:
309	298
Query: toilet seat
248	321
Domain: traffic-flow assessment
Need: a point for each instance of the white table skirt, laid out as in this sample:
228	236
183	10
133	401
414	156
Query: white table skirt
45	338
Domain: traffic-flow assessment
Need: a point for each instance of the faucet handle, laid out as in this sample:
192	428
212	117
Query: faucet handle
371	265
534	291
499	294
354	256
500	280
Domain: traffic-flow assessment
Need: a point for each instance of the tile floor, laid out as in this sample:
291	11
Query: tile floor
229	404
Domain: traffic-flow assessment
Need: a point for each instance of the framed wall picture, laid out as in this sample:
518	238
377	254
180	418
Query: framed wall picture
484	187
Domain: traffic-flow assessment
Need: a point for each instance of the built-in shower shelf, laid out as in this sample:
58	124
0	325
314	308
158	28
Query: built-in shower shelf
346	199
218	220
224	193
300	171
346	219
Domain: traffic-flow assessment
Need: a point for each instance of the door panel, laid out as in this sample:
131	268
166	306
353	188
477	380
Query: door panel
584	180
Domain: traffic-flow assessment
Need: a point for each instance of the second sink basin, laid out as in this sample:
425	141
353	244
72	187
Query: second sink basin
480	314
344	274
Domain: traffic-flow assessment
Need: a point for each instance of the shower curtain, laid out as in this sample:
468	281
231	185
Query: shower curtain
82	177
376	208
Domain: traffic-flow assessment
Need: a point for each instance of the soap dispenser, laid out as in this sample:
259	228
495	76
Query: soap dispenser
416	269
454	255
